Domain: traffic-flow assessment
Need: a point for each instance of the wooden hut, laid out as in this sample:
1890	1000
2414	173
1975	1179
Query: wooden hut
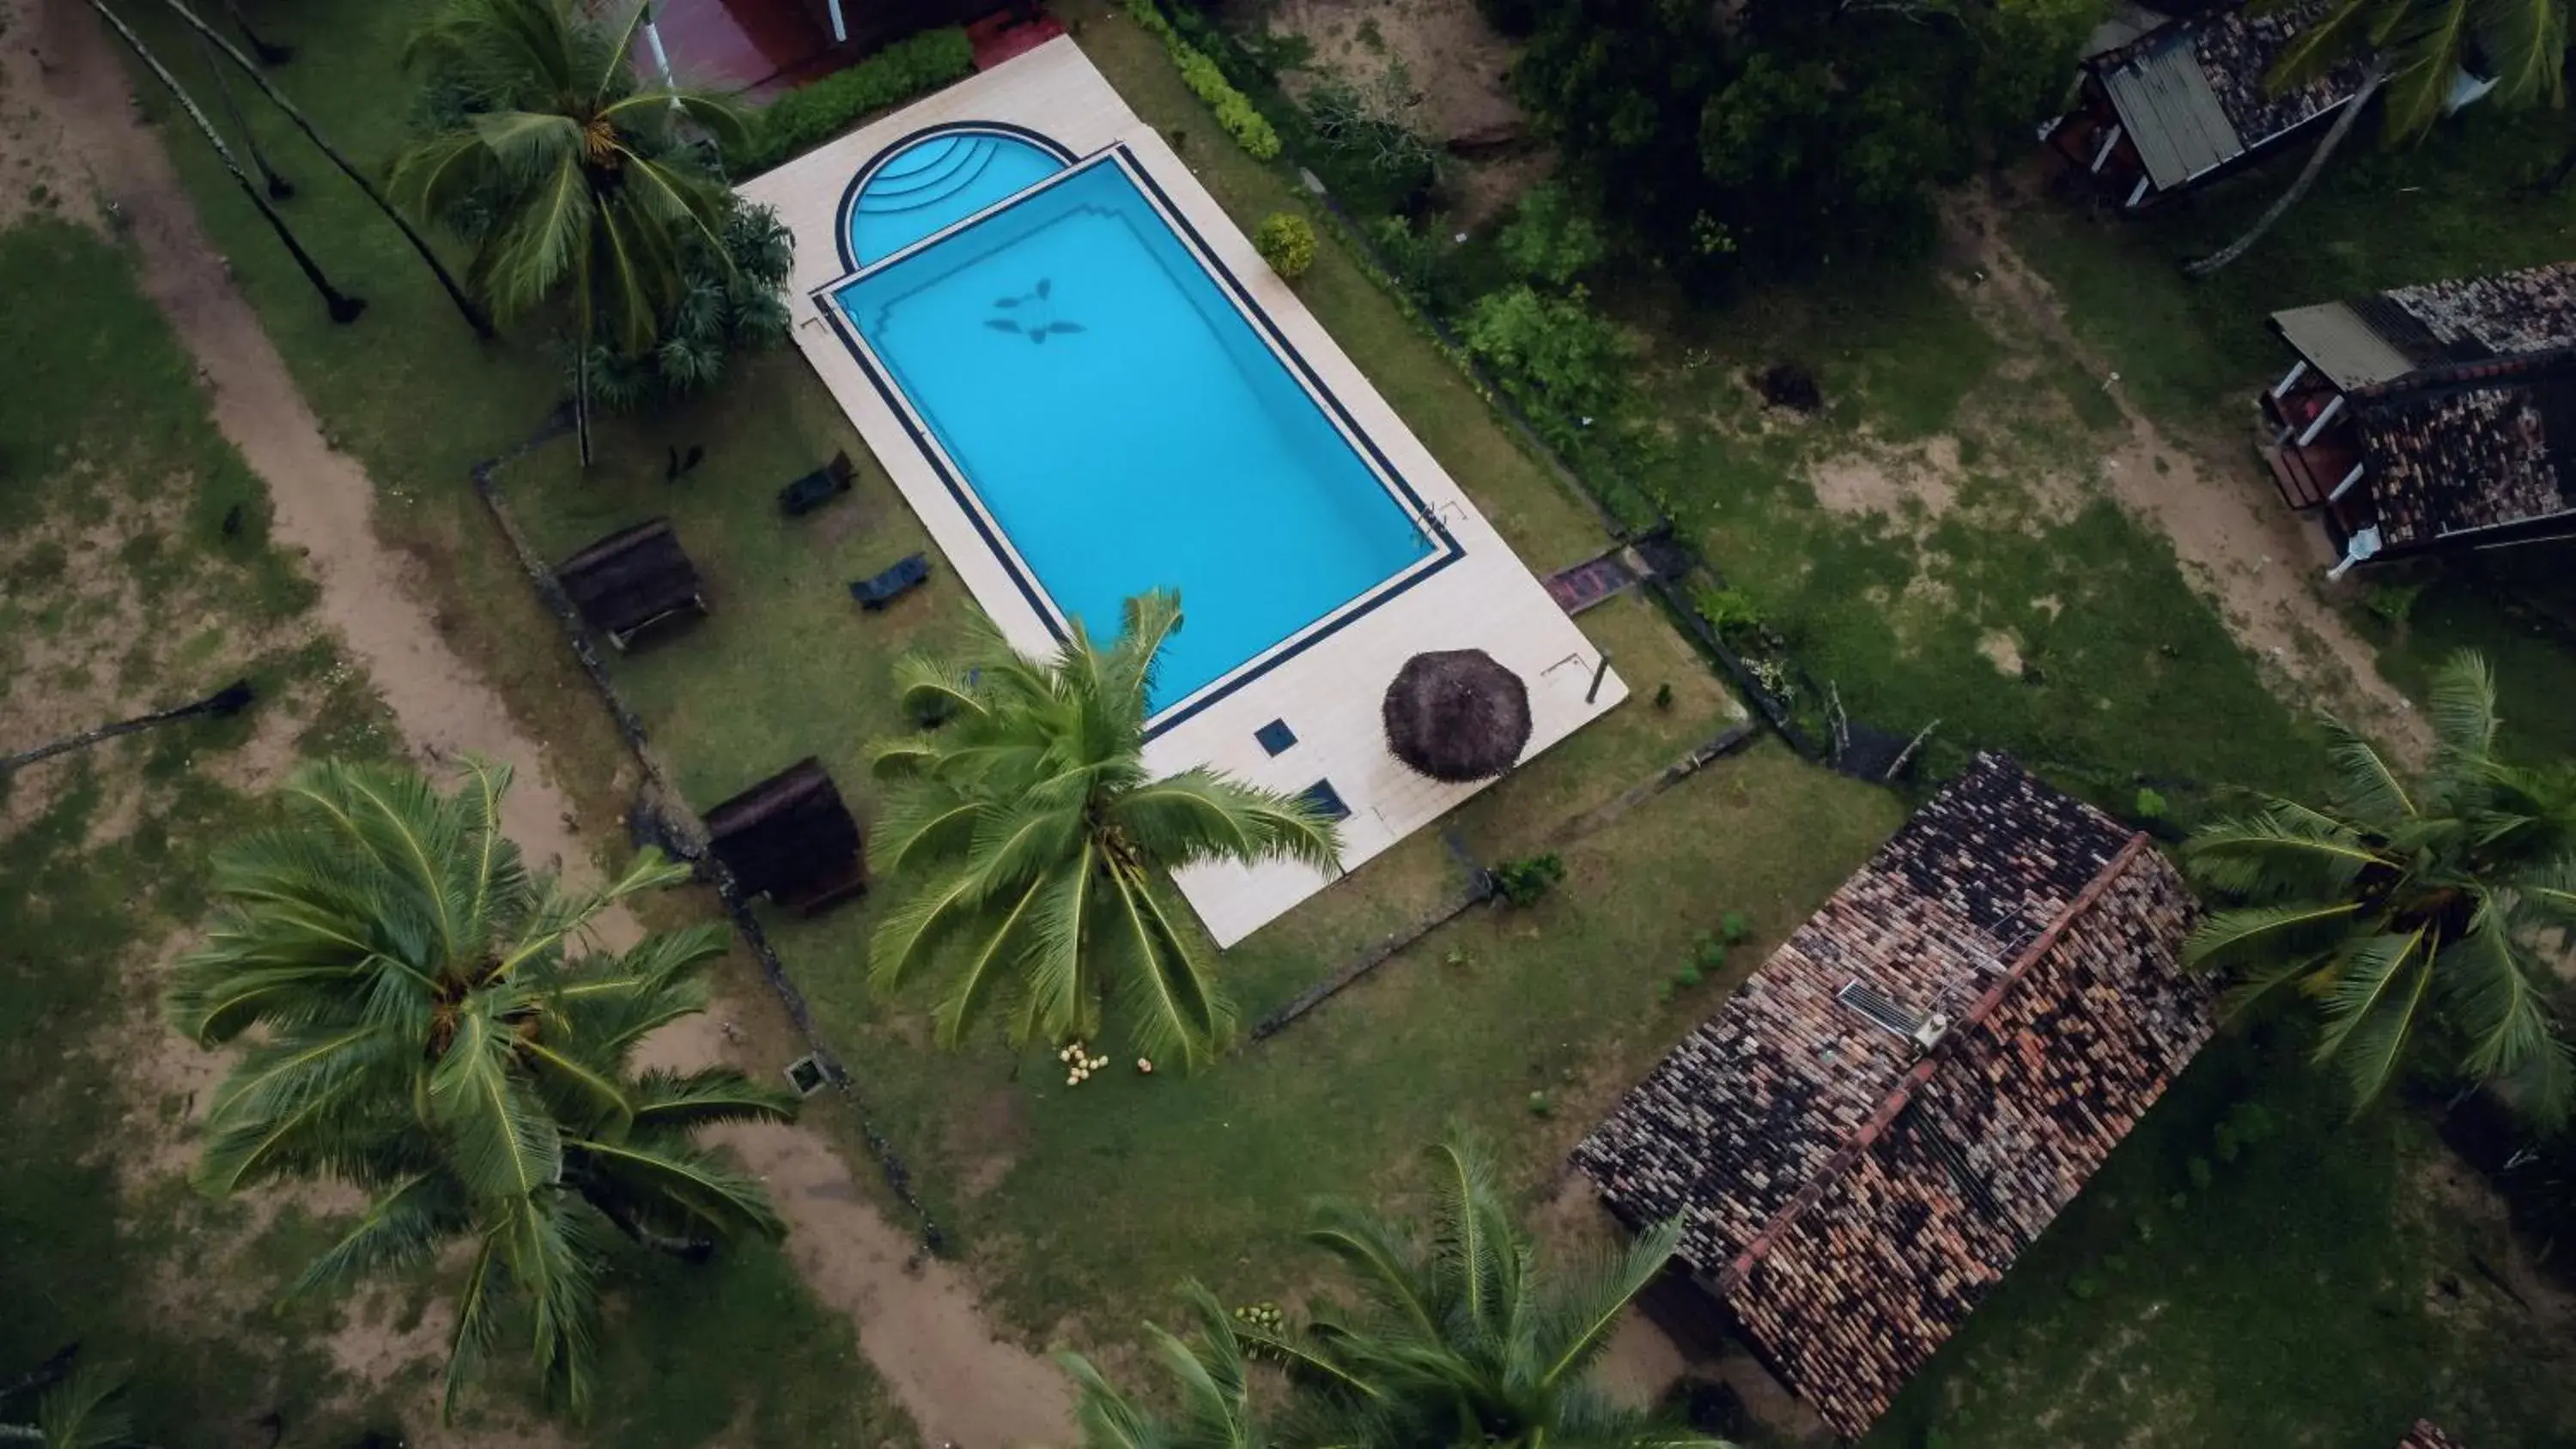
632	579
2433	418
791	839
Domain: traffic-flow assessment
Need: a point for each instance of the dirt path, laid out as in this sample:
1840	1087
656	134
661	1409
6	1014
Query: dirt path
920	1325
2260	564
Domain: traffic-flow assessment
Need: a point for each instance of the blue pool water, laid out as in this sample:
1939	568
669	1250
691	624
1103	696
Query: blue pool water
1128	429
936	182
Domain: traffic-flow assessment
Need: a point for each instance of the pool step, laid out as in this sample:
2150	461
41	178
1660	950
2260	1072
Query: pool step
967	169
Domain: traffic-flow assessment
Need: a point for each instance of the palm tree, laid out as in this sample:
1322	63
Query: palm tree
2411	909
1041	845
466	305
1464	1339
572	178
2413	50
430	1021
1215	1392
64	1404
342	307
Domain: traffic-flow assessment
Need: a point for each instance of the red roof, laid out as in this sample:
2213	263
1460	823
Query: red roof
1865	1136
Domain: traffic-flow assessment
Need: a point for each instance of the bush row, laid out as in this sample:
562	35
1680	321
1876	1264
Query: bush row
1234	110
810	115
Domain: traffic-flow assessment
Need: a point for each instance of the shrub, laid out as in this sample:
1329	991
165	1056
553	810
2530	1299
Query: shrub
1287	242
2150	804
731	306
1552	240
1725	609
810	115
1735	926
1664	695
1525	882
2245	1124
1556	357
2394	604
1708	953
1234	110
2200	1173
1539	1105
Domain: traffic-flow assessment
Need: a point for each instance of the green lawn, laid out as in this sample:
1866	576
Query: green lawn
2309	1292
1901	605
2193	354
1080	1210
119	580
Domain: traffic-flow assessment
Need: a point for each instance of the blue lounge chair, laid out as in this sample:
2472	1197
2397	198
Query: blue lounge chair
893	584
816	488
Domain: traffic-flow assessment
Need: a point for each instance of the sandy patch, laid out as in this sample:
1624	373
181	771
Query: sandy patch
1455	73
2260	564
1892	480
919	1322
2003	652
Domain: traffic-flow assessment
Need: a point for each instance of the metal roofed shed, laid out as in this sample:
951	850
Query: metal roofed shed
1862	1140
631	580
2191	98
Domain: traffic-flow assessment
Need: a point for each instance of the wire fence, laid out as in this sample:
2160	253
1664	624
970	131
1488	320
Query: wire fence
670	822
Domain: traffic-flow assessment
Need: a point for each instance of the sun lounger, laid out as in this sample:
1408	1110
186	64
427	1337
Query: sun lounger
893	584
816	488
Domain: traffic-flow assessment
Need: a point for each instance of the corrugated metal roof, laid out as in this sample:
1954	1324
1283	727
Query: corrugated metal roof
2171	113
2337	342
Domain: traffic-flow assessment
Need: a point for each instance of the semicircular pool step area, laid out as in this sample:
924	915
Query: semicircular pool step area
956	162
939	181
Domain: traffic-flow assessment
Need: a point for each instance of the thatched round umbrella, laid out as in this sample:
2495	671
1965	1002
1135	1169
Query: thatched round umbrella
1456	715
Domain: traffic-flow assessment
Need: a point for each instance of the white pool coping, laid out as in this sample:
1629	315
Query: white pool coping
1329	693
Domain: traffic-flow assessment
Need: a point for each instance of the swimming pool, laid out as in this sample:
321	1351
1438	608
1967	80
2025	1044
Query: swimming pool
1115	415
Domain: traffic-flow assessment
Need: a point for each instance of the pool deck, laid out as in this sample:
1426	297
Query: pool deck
1329	694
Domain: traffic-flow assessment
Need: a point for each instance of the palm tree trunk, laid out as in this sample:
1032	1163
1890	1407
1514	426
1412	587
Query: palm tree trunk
456	293
2308	174
343	307
279	188
268	53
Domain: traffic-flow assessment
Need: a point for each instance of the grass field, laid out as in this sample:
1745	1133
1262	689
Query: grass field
1081	1209
121	589
2193	354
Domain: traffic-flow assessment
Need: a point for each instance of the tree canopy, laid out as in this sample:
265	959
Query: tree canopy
2419	913
1776	137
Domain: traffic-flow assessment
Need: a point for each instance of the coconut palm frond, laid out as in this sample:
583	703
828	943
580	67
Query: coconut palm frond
2249	933
2278	854
429	1032
2523	45
2374	1011
1036	846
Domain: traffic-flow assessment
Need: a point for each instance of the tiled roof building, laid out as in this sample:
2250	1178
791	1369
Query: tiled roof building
2425	1436
2441	415
1860	1142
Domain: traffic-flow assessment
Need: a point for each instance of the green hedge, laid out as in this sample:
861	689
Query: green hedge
810	115
1234	110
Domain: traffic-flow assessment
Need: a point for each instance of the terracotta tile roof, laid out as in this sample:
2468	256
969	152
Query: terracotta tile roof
2516	314
1850	1194
2470	457
2237	53
2463	394
2425	1436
